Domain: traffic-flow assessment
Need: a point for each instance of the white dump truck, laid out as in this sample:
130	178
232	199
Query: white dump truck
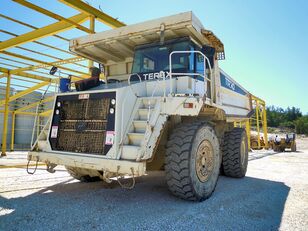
164	105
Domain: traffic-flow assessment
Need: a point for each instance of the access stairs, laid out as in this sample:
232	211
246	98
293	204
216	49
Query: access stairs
144	129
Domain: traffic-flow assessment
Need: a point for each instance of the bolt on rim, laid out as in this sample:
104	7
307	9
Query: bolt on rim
204	160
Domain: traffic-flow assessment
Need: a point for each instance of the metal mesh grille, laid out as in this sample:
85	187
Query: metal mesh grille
82	126
85	109
85	142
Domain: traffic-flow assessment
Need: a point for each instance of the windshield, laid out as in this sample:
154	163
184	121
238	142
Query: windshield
156	58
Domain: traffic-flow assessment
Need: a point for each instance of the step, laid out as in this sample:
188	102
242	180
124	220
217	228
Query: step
140	126
150	100
143	113
130	152
43	135
135	138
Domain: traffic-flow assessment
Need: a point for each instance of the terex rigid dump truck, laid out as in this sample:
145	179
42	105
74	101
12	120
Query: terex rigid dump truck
165	105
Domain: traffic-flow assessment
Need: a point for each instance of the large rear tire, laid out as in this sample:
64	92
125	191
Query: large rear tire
192	161
235	153
79	174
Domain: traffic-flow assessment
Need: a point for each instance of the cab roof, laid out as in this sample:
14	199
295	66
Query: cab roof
117	45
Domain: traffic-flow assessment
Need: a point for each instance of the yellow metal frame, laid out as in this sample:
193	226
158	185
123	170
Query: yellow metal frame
258	120
6	112
35	77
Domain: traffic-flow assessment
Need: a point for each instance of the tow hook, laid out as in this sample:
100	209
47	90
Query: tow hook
36	162
50	168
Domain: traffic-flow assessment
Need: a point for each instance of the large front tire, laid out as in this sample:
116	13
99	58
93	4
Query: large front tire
192	161
235	153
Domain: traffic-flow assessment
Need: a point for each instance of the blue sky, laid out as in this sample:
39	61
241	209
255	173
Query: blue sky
265	41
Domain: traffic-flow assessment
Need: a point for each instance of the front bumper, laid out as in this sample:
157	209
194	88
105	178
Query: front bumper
94	163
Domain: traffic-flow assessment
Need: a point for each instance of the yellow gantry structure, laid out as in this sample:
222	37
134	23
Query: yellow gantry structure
27	70
257	121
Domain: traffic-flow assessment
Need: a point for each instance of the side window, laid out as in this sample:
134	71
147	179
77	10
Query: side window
199	64
148	64
191	60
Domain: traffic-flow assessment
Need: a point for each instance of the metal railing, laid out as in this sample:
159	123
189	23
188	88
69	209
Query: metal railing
129	83
36	117
123	103
206	79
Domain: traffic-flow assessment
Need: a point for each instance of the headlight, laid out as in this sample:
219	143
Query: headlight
111	110
113	101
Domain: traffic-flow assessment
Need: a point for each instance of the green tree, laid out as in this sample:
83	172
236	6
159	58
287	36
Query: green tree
289	118
301	125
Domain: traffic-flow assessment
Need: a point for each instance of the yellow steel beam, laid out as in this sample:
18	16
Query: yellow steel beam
42	32
46	113
264	124
41	72
101	16
10	65
32	105
6	113
261	101
30	26
92	27
25	92
261	116
32	76
37	77
39	53
4	70
36	52
40	43
51	14
44	64
258	126
13	131
21	112
16	61
247	127
27	75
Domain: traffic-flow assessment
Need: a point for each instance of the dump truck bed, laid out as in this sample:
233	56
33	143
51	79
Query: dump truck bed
116	45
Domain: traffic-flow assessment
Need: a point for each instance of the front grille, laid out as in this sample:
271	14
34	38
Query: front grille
85	142
88	109
82	124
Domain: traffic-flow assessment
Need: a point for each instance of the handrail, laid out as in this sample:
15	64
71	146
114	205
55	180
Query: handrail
129	84
128	80
204	70
122	121
149	103
123	103
36	114
153	92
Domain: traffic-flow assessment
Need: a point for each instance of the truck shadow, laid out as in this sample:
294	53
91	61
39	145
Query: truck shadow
236	204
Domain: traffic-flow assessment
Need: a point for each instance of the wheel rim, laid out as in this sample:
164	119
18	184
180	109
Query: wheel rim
204	160
243	151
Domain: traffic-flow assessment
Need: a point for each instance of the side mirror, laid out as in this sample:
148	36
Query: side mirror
53	70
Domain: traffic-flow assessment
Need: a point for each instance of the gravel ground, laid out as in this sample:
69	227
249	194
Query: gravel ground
273	196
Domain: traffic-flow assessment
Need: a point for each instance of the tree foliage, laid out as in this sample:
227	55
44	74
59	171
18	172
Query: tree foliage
287	118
